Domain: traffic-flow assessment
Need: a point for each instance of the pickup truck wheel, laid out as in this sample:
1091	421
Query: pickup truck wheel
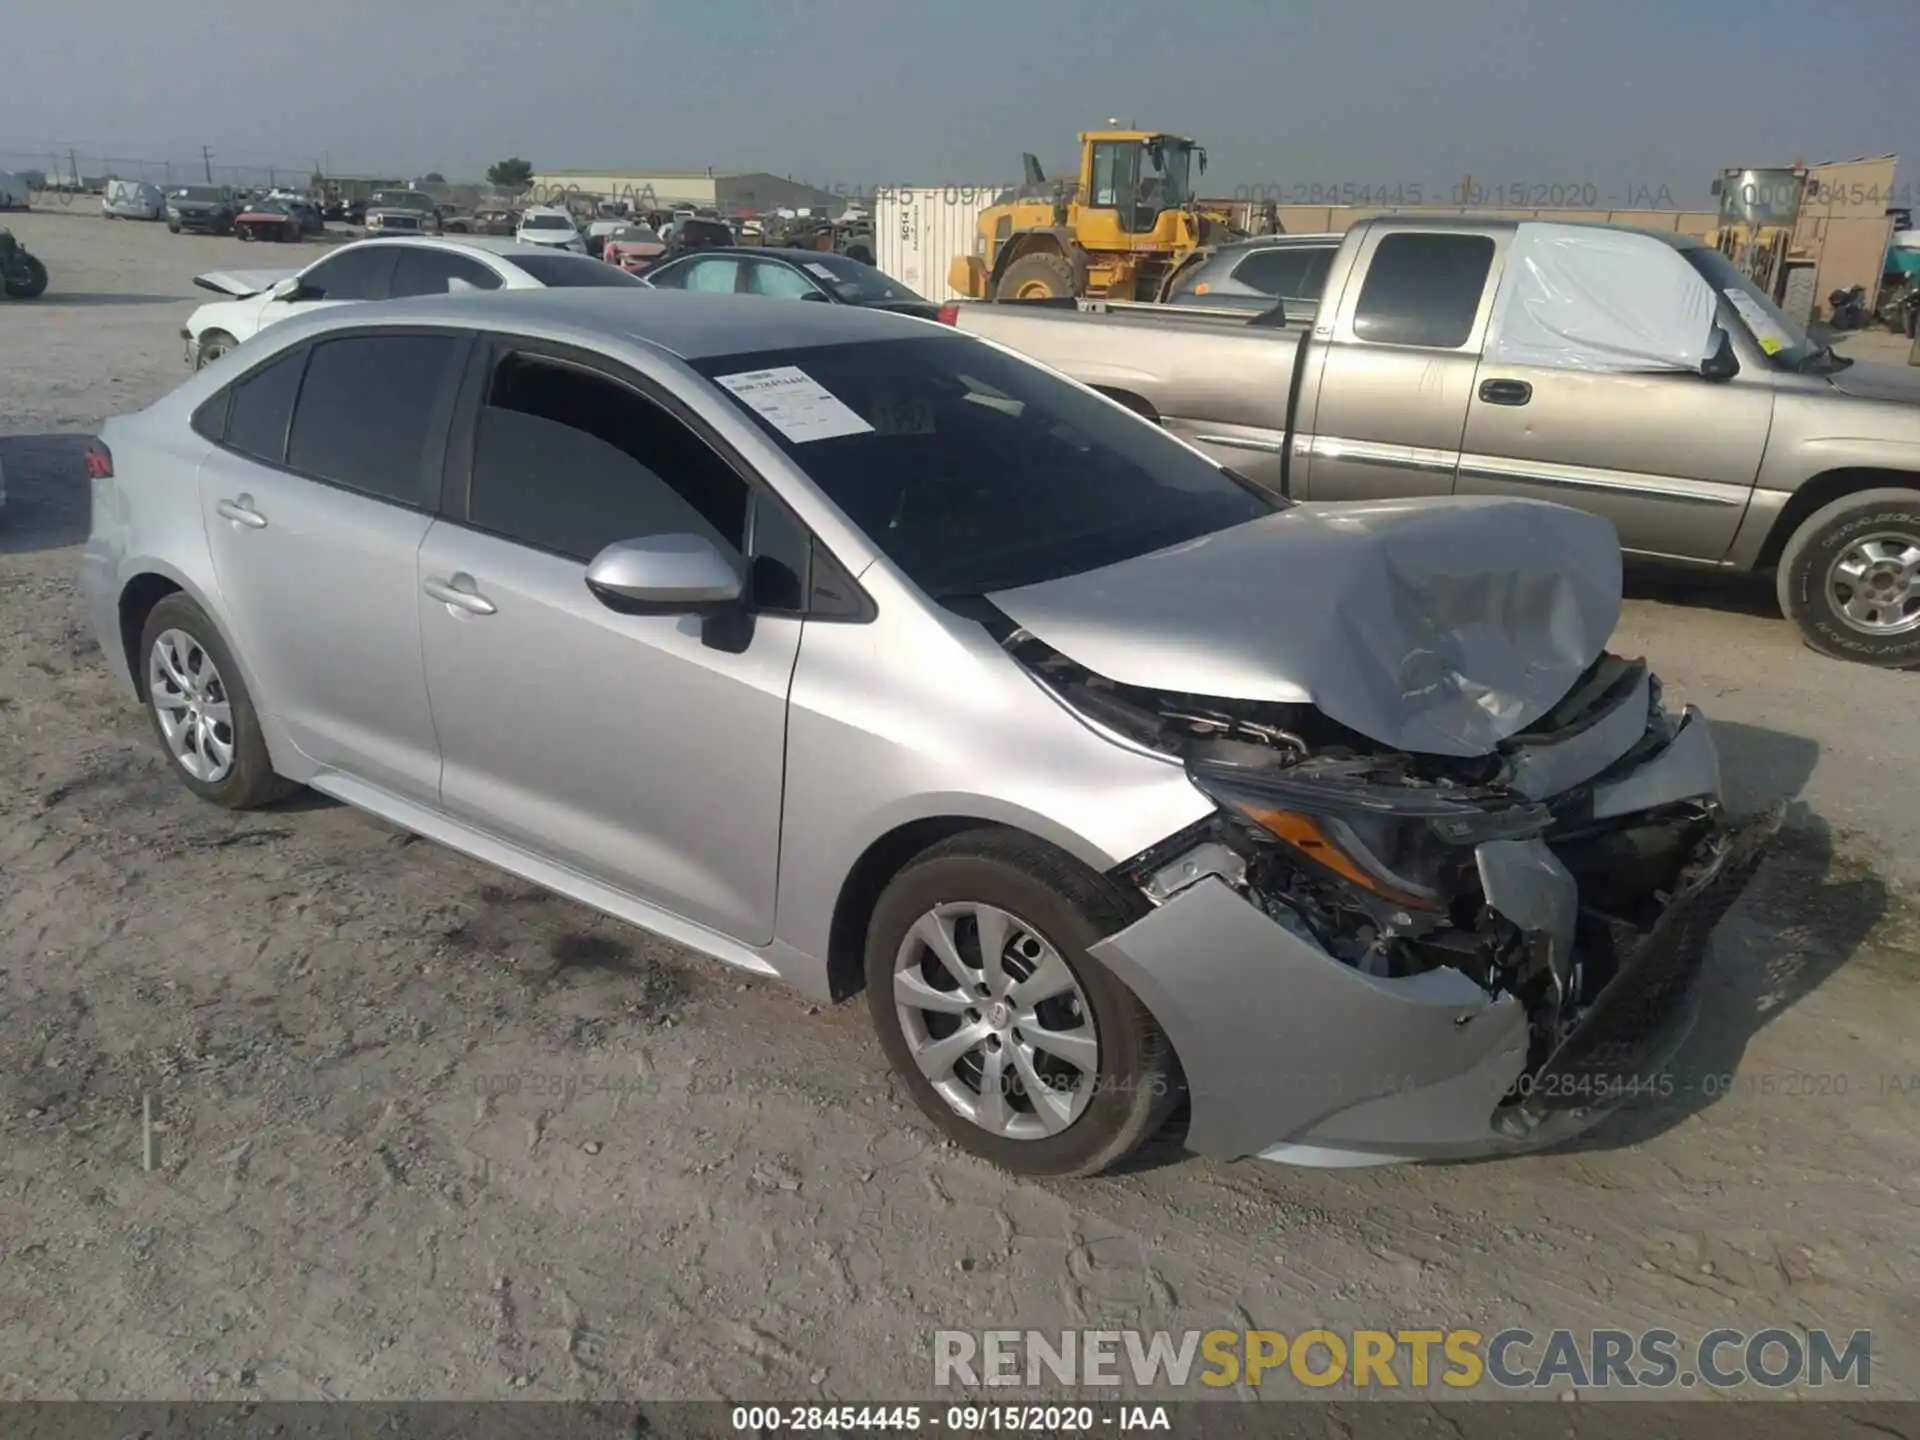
173	227
1009	1035
1850	578
1036	277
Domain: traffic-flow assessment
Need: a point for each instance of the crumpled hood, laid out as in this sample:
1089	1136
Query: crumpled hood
1872	380
242	283
1440	626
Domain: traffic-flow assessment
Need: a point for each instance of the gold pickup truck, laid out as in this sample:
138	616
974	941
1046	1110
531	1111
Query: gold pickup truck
1635	374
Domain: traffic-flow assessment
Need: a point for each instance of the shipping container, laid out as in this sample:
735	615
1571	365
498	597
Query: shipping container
918	231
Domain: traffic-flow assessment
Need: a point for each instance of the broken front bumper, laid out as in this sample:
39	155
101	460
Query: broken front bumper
1292	1055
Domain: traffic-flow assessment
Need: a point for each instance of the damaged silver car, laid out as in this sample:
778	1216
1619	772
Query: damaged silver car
847	649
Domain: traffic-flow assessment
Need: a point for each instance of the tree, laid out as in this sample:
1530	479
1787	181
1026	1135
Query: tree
433	177
511	174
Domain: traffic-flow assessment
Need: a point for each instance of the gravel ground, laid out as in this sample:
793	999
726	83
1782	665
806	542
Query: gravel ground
422	1131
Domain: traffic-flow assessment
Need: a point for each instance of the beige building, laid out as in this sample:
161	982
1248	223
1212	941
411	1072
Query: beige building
728	192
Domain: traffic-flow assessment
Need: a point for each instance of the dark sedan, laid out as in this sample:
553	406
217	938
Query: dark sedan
789	275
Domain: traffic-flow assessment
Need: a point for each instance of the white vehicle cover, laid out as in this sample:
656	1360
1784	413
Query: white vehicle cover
1579	297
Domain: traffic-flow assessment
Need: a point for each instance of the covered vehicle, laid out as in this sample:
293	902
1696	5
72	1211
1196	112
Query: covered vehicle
849	649
202	209
133	200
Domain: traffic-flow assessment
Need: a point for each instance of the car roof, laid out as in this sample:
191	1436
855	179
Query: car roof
1485	225
693	327
791	254
504	246
1259	242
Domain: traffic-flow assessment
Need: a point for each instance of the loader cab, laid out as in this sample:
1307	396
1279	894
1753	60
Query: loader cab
1137	176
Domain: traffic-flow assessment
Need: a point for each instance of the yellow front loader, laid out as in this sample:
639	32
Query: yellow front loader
1116	233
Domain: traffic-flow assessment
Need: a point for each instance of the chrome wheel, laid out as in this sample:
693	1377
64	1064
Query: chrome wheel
996	1021
190	701
1874	584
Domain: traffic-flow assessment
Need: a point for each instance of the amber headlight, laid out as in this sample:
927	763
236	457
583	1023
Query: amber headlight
1411	845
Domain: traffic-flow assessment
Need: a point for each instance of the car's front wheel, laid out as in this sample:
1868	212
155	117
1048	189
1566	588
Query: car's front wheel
1011	1037
213	345
201	710
1850	578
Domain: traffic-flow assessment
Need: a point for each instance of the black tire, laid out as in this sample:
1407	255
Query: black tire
247	233
1808	557
173	227
213	345
1053	273
1138	1081
31	285
1911	320
251	782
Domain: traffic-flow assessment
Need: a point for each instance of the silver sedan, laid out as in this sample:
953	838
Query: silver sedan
851	650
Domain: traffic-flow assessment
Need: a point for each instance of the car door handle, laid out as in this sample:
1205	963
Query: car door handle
241	512
459	593
1505	392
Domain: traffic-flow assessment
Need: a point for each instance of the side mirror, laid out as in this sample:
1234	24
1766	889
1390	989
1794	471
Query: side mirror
1721	363
665	575
287	289
815	295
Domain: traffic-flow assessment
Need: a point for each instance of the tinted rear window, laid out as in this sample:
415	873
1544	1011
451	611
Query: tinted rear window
1423	290
368	411
572	271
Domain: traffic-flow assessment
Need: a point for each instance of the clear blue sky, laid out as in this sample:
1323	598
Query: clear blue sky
1613	94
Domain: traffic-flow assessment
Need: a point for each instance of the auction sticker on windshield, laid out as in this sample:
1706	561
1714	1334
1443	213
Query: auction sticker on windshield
794	403
1765	328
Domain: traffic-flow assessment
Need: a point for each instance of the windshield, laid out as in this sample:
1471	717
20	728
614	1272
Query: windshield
401	200
546	222
636	235
1784	342
974	470
855	283
197	192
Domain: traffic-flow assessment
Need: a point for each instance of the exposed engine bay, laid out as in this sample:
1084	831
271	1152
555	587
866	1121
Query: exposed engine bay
1393	862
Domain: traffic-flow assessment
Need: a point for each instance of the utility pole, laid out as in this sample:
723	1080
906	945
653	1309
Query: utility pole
206	161
73	163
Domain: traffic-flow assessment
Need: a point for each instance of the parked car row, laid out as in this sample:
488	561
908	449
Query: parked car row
1120	782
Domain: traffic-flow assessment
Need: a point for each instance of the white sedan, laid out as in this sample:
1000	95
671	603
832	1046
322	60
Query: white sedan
379	270
550	226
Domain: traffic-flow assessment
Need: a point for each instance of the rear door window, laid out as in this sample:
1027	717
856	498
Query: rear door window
371	410
262	406
1423	289
427	271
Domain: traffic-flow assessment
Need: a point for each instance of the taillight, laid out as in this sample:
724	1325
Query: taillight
99	461
949	315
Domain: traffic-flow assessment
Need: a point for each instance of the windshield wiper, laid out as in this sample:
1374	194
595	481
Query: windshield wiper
1827	360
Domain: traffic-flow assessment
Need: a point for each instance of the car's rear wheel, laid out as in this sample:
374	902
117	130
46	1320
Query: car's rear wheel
1850	578
201	711
1010	1036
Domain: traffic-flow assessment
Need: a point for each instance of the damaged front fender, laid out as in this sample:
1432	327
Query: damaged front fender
1274	1035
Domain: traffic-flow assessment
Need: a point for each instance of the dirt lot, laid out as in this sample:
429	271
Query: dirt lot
725	1194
